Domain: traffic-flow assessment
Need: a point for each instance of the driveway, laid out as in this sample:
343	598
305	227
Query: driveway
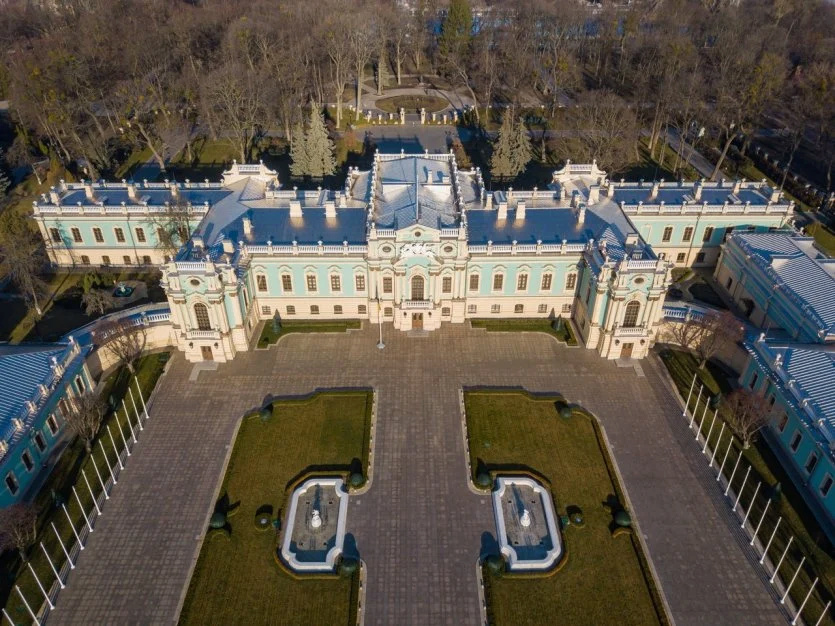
419	527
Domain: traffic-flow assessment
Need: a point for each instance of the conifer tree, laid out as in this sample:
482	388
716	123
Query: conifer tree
501	162
318	147
4	179
456	29
520	148
299	162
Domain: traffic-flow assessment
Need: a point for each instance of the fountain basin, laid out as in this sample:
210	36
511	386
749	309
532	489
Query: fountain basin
123	291
314	534
526	526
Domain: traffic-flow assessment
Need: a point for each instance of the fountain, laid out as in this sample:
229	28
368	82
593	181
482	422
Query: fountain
315	520
123	291
525	520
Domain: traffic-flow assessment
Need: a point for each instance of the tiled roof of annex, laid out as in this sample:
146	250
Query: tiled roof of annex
796	268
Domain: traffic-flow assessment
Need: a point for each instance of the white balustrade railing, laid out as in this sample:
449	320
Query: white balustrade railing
191	266
416	304
641	264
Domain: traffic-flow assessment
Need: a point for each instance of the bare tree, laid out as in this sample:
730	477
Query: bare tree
18	528
123	338
363	44
173	227
685	332
338	45
97	301
746	412
84	414
717	331
22	257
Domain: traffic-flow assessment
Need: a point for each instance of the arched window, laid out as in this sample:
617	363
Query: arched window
630	318
262	282
417	288
201	314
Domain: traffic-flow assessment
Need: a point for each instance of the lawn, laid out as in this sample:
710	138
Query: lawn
798	520
270	335
824	237
412	104
533	324
237	579
66	473
605	579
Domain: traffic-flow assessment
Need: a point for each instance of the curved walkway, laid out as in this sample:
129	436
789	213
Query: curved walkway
418	528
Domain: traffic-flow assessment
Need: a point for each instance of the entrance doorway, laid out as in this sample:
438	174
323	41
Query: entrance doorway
626	351
417	321
207	353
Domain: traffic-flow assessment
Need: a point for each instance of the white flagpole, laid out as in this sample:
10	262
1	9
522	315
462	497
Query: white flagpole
98	473
710	432
789	588
115	449
820	619
741	489
805	600
107	461
127	417
785	552
92	495
751	505
689	395
63	547
83	512
733	473
701	425
725	458
40	586
135	410
716	447
122	431
74	531
141	398
11	621
28	608
762	517
770	539
52	565
695	407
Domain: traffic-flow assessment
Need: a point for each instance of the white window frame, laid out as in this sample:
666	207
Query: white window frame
289	277
116	231
831	480
571	277
477	276
359	282
472	309
307	278
664	237
522	277
549	276
337	278
497	275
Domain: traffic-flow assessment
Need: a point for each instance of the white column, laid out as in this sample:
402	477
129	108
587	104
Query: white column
122	432
52	565
824	612
63	547
733	473
709	432
702	423
693	412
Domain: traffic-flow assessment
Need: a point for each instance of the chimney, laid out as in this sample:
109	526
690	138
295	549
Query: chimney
581	214
775	195
88	190
197	241
53	196
502	211
520	210
330	209
488	204
697	189
594	194
247	226
737	186
654	193
228	246
132	192
295	208
175	190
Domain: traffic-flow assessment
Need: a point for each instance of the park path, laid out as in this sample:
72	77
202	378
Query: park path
419	529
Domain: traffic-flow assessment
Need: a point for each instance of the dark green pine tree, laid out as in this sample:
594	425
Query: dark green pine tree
501	162
456	29
319	147
299	163
520	148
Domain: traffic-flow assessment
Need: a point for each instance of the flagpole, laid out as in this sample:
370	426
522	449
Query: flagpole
380	343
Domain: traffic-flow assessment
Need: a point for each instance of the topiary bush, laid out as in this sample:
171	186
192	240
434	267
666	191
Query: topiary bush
357	479
623	519
566	412
218	519
347	566
495	562
266	413
484	480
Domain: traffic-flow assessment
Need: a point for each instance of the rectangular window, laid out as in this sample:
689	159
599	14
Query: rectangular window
261	281
680	257
496	308
287	282
362	310
826	485
518	308
708	234
728	283
473	282
546	282
668	234
127	260
27	460
388	285
771	400
79	384
498	282
796	439
11	483
76	235
542	308
314	309
688	234
55	234
446	311
588	294
146	260
700	257
446	284
388	312
359	281
811	463
781	423
291	310
311	282
566	308
570	281
266	310
754	380
40	444
120	235
728	231
105	259
522	282
337	309
336	282
472	309
97	235
52	424
140	235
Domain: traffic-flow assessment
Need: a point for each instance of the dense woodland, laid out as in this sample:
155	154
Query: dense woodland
90	81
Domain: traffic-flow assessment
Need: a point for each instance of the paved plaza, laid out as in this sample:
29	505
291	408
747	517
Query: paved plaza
419	528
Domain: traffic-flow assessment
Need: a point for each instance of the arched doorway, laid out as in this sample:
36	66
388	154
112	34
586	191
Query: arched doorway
201	315
630	318
417	288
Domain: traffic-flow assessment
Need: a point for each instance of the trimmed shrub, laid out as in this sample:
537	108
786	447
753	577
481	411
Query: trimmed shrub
575	514
566	412
496	563
623	519
347	566
218	520
356	479
484	480
266	413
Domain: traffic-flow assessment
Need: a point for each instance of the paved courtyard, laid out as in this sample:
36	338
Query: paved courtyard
418	528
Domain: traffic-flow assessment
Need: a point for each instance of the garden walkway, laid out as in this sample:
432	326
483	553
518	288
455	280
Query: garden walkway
419	527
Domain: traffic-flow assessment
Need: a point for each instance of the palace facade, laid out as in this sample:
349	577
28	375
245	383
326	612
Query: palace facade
414	242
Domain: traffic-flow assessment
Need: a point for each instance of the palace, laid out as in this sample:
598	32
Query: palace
415	242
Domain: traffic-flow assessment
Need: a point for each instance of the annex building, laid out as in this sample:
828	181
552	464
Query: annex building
414	241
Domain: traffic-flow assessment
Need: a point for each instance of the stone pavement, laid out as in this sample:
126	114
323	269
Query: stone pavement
418	528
